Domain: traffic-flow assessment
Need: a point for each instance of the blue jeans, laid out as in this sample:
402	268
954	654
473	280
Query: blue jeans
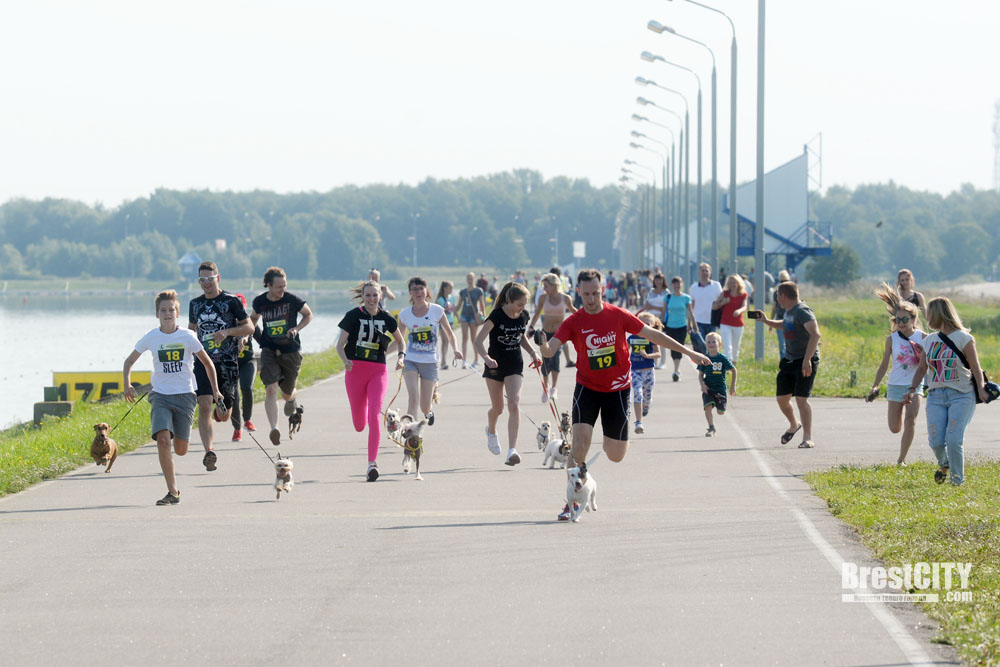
949	411
705	328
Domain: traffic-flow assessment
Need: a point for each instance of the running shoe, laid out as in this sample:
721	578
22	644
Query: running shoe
513	458
237	435
248	425
639	428
372	471
645	410
566	514
570	364
290	407
710	432
430	418
554	395
170	499
209	460
545	397
676	376
275	437
492	441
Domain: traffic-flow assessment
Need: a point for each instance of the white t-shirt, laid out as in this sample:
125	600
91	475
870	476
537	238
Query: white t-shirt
944	368
173	359
904	358
422	334
703	298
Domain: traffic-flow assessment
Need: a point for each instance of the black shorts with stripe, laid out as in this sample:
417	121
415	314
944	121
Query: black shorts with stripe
614	408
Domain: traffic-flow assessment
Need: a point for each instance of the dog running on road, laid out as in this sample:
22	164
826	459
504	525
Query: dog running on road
103	449
294	422
283	476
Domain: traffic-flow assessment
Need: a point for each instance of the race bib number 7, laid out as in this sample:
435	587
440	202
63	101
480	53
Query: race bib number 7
276	328
602	358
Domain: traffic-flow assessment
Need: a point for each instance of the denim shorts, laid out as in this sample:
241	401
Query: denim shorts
896	392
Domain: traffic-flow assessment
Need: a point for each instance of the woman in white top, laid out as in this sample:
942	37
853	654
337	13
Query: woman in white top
951	398
420	370
902	346
555	305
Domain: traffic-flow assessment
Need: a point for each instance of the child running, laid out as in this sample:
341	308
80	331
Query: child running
505	326
172	398
712	378
364	339
643	354
903	346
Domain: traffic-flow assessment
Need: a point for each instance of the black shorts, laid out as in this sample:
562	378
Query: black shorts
791	381
505	368
227	375
550	364
716	399
614	407
680	335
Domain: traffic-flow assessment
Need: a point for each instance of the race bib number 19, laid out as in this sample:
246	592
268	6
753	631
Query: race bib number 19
602	358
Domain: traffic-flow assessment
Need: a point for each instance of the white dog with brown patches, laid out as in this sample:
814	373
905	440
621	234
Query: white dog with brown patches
283	480
581	491
557	451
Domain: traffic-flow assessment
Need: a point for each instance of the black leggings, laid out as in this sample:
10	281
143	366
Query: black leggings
680	335
247	373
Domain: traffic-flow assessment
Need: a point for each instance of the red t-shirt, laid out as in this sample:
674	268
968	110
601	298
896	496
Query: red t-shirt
601	342
735	303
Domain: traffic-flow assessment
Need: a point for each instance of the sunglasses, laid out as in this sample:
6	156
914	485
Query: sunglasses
902	320
207	279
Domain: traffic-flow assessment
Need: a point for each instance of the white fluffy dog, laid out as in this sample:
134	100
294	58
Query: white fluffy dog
392	423
557	451
284	480
543	434
581	491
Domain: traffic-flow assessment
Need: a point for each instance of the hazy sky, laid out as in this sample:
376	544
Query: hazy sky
107	100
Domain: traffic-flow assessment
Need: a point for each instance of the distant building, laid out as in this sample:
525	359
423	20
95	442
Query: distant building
189	265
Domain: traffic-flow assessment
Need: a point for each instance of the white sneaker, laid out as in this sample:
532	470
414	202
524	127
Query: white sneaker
554	394
639	428
545	396
513	458
492	441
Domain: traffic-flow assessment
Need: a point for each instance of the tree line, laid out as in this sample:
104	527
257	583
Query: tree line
509	220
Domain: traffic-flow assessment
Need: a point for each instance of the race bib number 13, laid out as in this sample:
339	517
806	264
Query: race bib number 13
421	335
602	358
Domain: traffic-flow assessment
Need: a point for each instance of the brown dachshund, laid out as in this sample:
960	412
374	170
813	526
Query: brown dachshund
103	449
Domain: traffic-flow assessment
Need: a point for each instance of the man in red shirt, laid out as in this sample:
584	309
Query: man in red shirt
599	332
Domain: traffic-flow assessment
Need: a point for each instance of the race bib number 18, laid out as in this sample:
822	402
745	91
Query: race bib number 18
602	358
171	353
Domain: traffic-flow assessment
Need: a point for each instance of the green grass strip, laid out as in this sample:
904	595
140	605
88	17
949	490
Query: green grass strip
29	455
904	517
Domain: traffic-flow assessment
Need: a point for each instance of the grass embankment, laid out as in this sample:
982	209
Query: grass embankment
905	518
853	340
29	455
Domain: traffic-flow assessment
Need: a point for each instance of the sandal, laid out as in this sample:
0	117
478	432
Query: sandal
807	444
787	436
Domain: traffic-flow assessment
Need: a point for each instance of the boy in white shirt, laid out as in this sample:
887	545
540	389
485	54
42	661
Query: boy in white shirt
172	398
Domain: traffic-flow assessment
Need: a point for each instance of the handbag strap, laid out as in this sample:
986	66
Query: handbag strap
954	348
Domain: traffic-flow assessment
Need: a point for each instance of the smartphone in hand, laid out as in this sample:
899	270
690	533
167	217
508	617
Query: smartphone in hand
755	314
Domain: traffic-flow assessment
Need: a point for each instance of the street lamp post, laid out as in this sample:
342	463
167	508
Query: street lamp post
651	57
659	28
650	208
667	192
733	239
663	185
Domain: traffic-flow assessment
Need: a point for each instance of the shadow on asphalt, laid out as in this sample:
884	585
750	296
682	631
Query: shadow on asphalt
72	509
483	524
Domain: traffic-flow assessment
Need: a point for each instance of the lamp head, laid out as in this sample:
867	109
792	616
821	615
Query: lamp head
632	144
642	81
640	135
650	57
636	117
643	101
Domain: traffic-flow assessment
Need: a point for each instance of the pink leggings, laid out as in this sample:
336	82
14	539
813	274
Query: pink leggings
366	383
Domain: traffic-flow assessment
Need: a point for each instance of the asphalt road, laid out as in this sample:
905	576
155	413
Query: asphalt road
703	551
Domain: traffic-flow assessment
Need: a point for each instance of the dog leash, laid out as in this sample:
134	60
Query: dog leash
551	401
250	433
465	366
127	413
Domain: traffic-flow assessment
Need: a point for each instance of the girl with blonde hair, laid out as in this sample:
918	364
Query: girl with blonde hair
954	377
643	354
902	345
733	301
555	305
905	286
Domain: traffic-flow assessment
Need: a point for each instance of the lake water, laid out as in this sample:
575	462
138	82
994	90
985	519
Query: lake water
43	334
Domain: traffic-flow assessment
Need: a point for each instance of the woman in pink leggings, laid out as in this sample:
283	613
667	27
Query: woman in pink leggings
364	338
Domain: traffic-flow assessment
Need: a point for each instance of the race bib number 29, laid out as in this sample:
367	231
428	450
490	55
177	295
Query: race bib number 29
602	358
276	328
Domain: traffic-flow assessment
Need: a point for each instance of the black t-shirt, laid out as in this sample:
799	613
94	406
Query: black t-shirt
367	335
277	317
505	338
211	315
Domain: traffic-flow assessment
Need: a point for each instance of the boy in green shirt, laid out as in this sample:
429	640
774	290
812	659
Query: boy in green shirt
713	380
